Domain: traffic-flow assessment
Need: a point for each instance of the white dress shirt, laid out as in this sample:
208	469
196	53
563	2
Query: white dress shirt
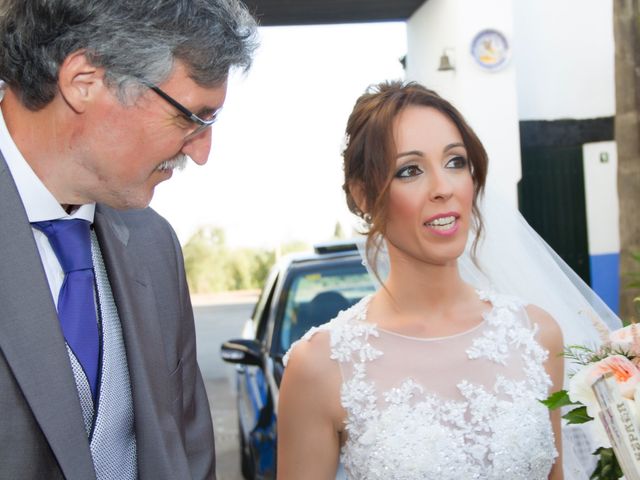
39	204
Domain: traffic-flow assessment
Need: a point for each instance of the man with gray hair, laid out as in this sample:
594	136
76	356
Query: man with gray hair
102	99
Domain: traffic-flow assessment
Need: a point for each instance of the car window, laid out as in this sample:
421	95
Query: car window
316	296
261	312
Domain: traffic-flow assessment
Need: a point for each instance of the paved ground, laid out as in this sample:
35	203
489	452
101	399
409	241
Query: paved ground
220	318
223	412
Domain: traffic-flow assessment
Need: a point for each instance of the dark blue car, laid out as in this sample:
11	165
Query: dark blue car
302	291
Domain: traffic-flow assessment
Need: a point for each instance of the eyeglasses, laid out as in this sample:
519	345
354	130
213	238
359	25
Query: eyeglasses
201	123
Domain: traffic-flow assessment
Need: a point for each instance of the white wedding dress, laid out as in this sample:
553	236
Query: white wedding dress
458	407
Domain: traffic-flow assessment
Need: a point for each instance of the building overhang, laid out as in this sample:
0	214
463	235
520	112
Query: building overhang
316	12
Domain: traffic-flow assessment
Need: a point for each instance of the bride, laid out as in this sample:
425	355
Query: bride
431	377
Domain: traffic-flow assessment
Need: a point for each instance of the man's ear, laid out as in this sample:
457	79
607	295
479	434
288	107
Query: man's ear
79	81
356	189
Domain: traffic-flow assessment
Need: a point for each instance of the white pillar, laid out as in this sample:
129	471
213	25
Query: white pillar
486	98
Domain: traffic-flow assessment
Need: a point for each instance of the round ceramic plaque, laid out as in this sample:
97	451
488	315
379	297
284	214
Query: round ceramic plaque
490	49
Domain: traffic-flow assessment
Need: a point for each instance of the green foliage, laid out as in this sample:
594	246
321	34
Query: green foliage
608	467
577	415
579	354
635	283
583	355
635	276
202	259
294	246
557	400
212	266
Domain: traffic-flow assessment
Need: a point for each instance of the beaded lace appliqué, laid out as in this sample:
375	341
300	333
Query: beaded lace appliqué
408	432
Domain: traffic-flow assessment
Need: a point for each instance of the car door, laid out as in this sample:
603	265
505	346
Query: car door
255	405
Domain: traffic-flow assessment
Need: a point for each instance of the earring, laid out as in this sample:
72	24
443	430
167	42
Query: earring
367	218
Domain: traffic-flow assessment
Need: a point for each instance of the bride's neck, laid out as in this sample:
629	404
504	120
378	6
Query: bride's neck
416	286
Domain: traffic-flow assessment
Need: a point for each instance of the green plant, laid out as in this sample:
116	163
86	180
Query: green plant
634	283
212	266
635	276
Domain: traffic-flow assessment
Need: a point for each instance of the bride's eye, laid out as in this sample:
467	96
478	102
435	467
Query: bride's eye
408	171
457	162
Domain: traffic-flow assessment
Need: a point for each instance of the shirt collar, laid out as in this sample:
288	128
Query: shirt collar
38	201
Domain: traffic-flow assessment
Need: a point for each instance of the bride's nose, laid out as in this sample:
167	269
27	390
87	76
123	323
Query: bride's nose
440	188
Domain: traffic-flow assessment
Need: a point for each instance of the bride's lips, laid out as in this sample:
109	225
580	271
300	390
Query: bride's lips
443	224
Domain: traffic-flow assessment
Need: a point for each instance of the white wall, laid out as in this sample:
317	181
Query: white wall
600	181
564	56
487	99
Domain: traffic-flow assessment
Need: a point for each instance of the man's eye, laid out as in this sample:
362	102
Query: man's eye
408	171
457	162
209	116
183	122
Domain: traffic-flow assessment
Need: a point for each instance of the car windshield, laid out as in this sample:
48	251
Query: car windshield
316	296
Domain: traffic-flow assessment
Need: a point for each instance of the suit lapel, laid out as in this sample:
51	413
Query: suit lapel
136	305
31	340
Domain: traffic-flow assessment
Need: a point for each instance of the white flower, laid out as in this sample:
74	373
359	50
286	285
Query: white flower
580	388
599	434
623	370
627	378
623	337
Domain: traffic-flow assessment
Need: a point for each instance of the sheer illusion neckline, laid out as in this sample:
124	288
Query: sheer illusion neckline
482	295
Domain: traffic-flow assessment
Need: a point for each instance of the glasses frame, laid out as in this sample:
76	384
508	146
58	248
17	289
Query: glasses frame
201	124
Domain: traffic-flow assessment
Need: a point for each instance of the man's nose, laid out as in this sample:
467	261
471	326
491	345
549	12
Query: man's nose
197	148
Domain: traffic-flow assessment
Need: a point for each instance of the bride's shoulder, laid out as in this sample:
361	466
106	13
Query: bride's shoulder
319	342
312	364
549	332
501	301
536	316
549	335
311	356
545	328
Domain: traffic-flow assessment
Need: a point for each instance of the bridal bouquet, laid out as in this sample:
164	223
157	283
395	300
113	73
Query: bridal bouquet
606	390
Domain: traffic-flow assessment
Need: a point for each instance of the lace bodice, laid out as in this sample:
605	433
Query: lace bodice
459	407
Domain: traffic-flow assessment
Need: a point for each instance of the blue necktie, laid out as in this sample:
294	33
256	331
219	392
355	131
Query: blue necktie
71	242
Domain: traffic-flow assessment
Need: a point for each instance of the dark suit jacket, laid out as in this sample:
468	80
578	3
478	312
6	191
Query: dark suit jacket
41	428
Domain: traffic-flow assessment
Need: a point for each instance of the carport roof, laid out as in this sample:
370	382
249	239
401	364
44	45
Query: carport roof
311	12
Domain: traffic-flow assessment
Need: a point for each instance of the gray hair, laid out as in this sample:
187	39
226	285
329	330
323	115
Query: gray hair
129	39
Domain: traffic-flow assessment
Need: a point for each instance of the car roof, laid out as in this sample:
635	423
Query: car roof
322	253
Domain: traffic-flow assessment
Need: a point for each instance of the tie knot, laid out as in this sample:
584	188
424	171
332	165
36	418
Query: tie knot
71	242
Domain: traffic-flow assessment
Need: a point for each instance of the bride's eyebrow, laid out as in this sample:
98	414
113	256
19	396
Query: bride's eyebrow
453	145
410	153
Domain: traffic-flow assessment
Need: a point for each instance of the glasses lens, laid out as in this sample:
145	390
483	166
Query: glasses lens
197	131
210	117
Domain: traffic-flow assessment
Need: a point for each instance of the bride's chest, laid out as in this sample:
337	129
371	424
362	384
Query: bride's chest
408	432
464	407
441	439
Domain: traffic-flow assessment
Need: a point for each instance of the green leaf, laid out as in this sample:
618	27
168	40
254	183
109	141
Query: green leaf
558	399
577	415
608	467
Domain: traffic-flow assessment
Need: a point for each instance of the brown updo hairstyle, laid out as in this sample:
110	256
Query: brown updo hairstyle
370	150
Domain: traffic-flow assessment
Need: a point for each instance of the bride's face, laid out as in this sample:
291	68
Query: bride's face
431	194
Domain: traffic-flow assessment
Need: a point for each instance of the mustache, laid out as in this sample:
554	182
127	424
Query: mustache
179	162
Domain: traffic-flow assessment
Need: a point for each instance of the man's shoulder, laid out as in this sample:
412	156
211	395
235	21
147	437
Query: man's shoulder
135	219
142	227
